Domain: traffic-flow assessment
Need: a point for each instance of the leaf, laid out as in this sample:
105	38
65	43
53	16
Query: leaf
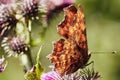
36	71
39	69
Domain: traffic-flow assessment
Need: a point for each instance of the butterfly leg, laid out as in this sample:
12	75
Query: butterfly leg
92	62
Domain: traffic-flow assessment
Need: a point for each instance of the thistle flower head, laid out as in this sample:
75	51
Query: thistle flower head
61	2
2	64
52	75
89	74
31	9
52	4
14	46
7	1
8	20
82	74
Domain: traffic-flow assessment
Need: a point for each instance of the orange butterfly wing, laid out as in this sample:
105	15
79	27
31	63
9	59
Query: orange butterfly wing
71	53
63	27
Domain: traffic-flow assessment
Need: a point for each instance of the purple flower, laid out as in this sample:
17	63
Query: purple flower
61	2
53	75
7	1
82	74
8	20
30	9
69	1
2	66
14	46
52	4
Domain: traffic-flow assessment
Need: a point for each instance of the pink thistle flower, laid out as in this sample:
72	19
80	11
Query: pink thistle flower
84	74
52	4
2	65
7	1
52	75
61	2
14	46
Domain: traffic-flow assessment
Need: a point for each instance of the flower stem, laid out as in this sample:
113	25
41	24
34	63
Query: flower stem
27	61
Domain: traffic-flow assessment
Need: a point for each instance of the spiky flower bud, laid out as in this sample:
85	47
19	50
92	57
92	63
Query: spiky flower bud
31	9
89	74
14	46
17	45
8	20
83	74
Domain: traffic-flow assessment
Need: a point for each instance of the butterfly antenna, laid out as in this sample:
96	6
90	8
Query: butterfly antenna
102	52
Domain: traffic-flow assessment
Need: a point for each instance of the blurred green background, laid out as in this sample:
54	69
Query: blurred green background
103	31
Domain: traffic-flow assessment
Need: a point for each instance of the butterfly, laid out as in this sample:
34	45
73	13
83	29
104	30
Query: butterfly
71	52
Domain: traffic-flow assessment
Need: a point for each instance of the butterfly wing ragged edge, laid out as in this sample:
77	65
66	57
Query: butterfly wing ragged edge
76	24
55	56
63	27
65	56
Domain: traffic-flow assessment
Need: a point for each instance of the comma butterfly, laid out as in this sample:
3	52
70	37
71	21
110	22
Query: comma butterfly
71	53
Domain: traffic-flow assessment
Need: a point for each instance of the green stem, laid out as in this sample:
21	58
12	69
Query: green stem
27	61
29	30
26	58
